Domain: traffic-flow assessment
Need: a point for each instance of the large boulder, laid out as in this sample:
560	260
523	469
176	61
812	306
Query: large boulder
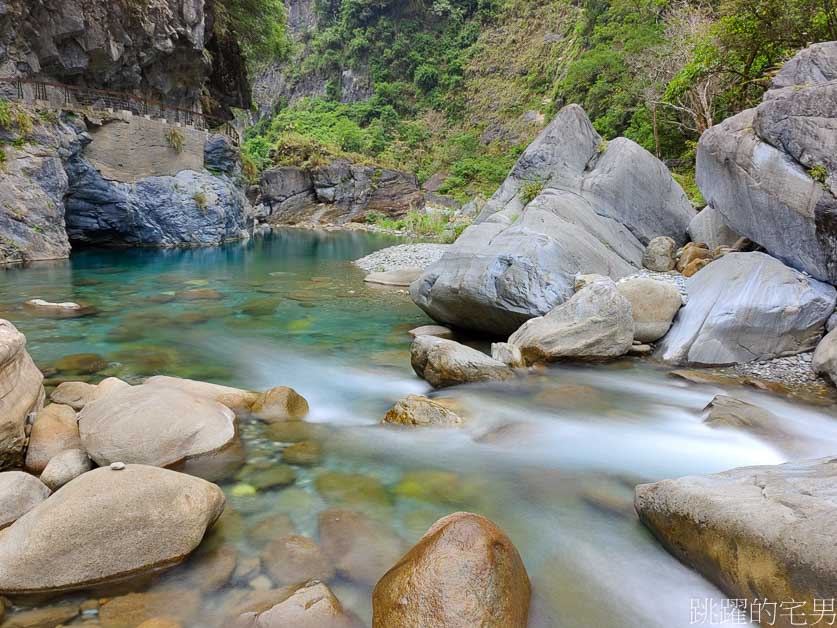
236	399
654	304
107	526
463	572
572	203
771	171
745	307
595	323
825	357
758	533
19	493
444	363
155	425
21	393
709	227
55	430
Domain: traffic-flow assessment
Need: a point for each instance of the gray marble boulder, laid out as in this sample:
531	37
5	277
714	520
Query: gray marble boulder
573	203
596	322
771	171
755	532
744	307
445	363
825	357
709	227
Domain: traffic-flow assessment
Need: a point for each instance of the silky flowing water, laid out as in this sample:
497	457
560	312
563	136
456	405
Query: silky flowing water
553	459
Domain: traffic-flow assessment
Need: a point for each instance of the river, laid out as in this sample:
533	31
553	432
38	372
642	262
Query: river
552	459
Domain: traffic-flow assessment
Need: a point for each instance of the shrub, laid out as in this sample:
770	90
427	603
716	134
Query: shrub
201	200
5	114
175	139
530	191
818	173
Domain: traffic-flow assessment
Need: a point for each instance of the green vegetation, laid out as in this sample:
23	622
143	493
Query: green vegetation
3	158
257	25
5	114
201	200
460	86
438	226
175	138
530	191
819	173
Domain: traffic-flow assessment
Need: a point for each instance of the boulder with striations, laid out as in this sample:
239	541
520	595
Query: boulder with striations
572	203
745	307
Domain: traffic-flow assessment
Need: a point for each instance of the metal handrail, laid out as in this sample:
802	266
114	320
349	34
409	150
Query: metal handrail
101	99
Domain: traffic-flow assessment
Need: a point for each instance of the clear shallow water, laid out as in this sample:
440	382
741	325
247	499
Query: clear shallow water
552	459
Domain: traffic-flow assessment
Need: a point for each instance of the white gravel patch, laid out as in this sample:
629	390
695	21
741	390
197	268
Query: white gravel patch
401	257
794	369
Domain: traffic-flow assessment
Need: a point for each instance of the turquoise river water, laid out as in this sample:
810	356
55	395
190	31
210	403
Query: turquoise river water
552	459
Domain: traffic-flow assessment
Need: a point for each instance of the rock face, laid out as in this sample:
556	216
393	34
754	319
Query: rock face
463	572
595	323
118	46
771	171
825	357
32	188
744	307
188	208
21	392
415	410
124	523
337	193
447	363
571	204
19	493
709	227
654	304
154	425
55	430
756	532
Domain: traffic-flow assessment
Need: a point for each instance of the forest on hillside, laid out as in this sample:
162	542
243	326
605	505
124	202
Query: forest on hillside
458	83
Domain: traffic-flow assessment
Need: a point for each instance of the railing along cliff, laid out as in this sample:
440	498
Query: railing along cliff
70	96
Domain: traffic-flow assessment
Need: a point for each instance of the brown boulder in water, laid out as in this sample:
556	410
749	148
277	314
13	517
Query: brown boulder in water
463	572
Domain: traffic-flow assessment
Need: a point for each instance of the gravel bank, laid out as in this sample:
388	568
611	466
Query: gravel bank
795	369
402	256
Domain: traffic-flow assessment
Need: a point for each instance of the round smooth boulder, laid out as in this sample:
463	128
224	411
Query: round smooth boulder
659	254
154	425
21	392
654	304
107	526
463	572
825	357
416	410
444	362
65	467
19	493
55	430
280	404
236	399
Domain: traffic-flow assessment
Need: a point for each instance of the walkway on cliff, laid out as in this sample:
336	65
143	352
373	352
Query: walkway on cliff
61	96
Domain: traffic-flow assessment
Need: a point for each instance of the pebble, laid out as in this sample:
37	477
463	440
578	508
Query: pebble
402	256
117	466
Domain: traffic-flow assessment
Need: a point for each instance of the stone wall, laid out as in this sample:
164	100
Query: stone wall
129	148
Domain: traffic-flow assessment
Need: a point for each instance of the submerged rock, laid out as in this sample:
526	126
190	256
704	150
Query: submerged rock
432	330
122	524
595	323
19	493
154	425
763	533
134	609
312	605
295	559
361	548
744	307
463	572
572	203
402	277
416	410
21	392
447	363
